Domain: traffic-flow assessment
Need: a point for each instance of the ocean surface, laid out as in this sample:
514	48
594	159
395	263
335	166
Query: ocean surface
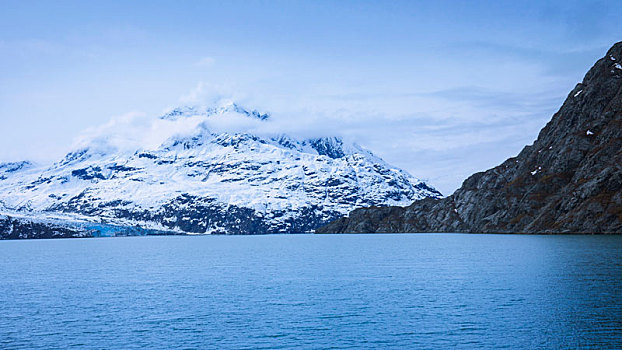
412	291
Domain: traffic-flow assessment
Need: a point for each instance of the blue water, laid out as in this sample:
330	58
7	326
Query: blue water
312	291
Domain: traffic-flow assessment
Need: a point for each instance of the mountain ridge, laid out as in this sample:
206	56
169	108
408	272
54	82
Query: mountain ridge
568	181
202	181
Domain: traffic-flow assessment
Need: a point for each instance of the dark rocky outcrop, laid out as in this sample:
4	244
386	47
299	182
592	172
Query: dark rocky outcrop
568	181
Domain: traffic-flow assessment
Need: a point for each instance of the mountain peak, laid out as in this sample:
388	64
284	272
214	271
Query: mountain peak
219	108
615	51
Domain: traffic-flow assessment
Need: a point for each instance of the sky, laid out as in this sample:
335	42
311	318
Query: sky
441	89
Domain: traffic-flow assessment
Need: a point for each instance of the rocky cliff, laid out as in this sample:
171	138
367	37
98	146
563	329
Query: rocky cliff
568	181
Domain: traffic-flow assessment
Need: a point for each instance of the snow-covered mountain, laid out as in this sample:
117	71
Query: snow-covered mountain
198	180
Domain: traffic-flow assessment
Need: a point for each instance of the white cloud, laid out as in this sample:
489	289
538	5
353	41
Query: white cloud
205	93
442	136
134	131
205	62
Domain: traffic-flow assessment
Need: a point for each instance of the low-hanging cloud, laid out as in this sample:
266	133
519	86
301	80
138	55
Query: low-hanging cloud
134	131
443	139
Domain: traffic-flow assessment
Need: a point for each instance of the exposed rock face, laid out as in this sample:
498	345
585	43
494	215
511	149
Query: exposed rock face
568	181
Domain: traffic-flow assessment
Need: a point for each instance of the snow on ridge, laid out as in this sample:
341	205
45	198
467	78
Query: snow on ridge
222	107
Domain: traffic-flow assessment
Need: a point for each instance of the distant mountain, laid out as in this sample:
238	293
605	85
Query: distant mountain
201	181
568	181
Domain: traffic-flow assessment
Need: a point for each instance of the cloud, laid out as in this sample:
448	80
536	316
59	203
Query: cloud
440	135
205	62
134	131
206	93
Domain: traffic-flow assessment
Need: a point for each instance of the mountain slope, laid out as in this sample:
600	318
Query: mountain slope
206	181
568	181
